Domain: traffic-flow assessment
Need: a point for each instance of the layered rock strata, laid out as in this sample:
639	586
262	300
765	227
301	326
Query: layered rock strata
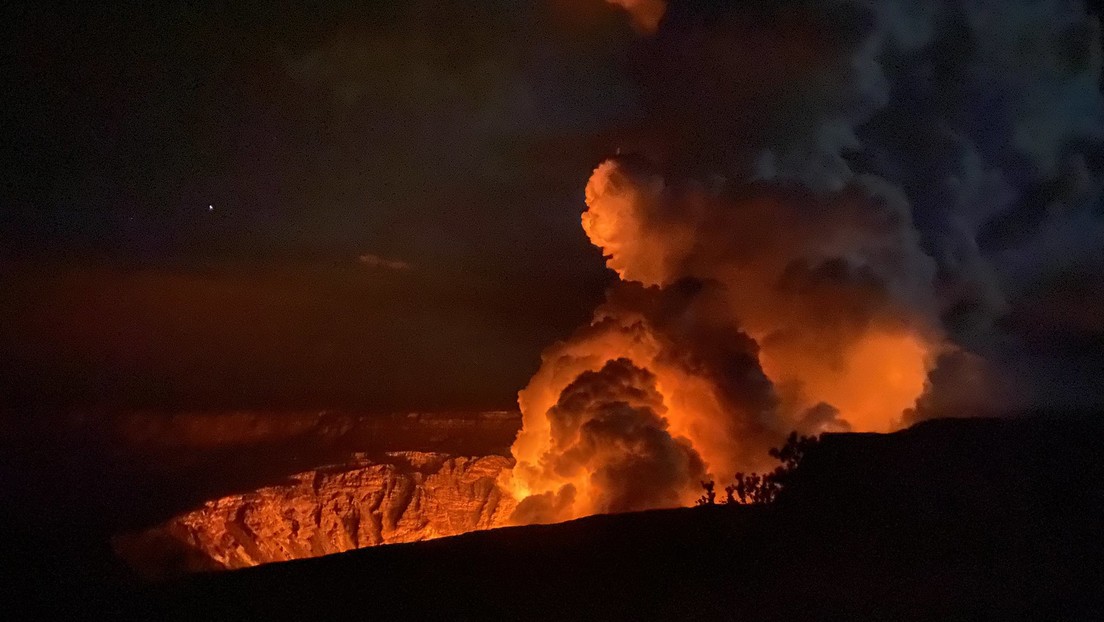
404	497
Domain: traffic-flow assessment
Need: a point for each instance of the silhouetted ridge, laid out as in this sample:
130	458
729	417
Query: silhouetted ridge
949	519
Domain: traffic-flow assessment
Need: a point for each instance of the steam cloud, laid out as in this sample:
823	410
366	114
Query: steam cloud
835	215
609	434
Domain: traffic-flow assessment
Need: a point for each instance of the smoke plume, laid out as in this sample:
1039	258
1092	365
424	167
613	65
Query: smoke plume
613	446
645	14
834	215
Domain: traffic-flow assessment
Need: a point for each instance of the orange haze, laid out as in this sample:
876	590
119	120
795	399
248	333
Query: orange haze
841	352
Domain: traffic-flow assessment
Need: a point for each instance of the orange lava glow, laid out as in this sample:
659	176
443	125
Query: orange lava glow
646	14
871	383
880	376
840	352
691	411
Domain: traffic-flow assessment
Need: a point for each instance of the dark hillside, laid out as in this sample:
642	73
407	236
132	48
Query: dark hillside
950	519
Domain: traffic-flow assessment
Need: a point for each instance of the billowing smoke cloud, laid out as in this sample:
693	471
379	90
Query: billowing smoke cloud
611	444
757	309
646	14
836	215
704	382
995	129
833	287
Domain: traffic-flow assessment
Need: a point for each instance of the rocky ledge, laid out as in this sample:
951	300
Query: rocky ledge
401	497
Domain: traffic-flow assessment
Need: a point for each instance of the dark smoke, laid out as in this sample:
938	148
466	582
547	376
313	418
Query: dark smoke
987	118
832	215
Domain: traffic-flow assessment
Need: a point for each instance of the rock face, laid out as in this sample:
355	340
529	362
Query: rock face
405	497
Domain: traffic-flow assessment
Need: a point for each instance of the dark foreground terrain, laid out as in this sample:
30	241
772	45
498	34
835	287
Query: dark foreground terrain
952	519
72	482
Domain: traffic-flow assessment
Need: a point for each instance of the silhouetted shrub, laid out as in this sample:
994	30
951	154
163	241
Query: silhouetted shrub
756	488
710	497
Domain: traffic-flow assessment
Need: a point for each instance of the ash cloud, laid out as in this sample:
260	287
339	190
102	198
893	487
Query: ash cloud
824	417
985	121
995	128
609	436
832	286
839	215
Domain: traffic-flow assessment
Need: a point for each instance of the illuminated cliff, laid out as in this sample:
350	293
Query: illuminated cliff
403	497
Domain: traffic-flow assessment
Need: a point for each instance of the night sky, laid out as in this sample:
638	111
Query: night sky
348	204
375	205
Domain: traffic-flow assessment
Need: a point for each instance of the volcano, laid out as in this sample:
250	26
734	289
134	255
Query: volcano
978	518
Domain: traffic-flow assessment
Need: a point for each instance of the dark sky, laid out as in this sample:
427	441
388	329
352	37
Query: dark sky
376	204
447	143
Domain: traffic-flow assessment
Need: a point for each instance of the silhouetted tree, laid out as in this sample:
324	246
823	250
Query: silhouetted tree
710	497
756	488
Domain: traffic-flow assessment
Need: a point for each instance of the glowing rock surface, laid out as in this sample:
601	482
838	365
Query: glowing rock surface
404	497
